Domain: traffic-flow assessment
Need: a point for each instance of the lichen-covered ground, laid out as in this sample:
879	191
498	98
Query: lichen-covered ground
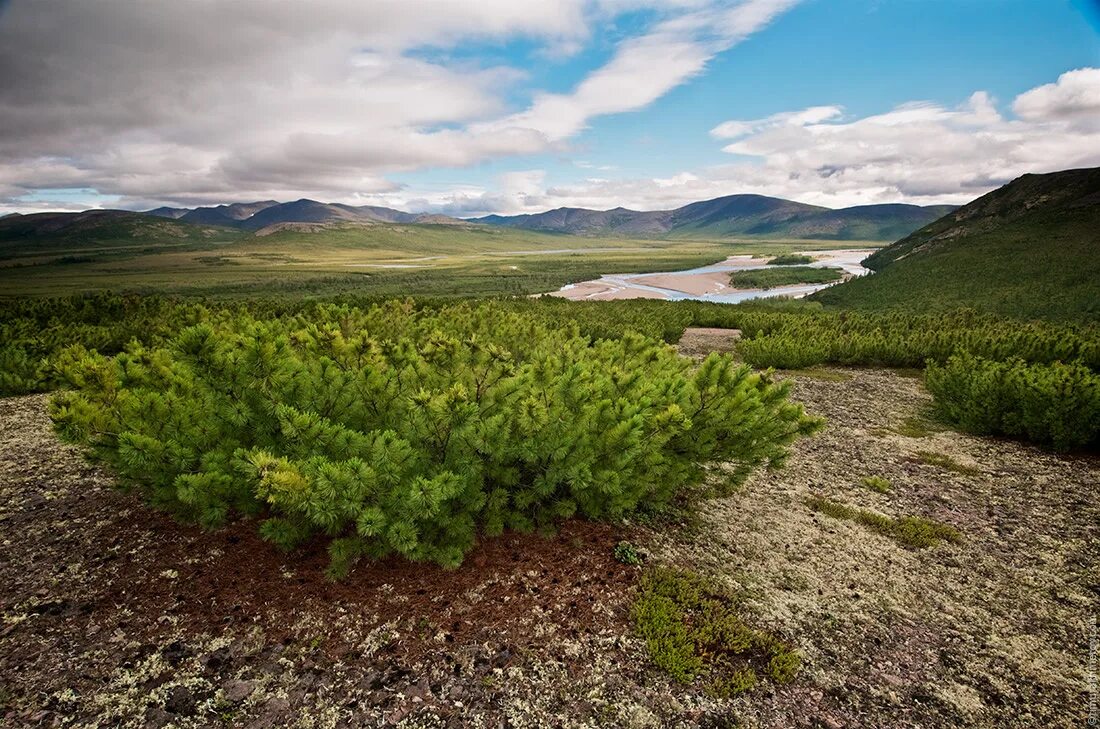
114	615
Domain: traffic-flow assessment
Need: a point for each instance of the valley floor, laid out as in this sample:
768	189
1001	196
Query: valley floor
113	614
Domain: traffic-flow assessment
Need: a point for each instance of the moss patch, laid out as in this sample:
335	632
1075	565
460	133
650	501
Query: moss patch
877	483
917	427
946	462
819	373
692	631
909	531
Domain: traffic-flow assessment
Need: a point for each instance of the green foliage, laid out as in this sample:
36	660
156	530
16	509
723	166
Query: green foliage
397	429
908	531
766	278
791	259
877	483
787	335
1053	403
1028	249
692	631
627	553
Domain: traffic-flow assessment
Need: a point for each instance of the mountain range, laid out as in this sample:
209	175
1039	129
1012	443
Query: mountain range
269	215
1028	249
724	217
734	216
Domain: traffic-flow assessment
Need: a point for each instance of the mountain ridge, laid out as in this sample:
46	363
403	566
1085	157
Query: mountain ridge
733	216
1029	249
264	214
723	217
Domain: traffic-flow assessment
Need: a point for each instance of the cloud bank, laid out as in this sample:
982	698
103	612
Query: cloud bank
200	101
920	152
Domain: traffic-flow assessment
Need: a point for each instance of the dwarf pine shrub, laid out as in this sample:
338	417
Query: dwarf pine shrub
1056	404
402	430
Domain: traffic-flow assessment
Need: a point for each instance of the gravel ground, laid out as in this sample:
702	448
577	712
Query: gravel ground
114	615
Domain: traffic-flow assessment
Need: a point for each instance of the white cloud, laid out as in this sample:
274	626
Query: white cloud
921	152
1075	97
645	68
226	100
812	115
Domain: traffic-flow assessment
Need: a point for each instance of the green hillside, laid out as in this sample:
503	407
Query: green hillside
96	232
1030	249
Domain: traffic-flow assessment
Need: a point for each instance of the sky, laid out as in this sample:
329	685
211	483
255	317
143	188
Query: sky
513	106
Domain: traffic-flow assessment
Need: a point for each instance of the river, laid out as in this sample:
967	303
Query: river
711	283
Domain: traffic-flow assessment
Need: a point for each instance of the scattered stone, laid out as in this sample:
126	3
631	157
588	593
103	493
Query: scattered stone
180	701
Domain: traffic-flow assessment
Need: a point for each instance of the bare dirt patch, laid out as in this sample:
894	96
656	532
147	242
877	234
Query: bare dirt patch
698	342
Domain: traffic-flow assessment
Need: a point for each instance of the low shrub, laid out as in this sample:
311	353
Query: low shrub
946	462
877	483
1056	404
767	278
627	553
407	430
692	630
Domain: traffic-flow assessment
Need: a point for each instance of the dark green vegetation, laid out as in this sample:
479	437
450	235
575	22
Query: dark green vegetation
733	216
790	259
101	232
787	335
766	278
627	553
397	429
909	531
1028	249
1057	403
692	630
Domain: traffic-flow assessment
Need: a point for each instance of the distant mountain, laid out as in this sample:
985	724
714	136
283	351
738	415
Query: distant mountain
257	216
229	215
1028	249
173	213
97	228
733	216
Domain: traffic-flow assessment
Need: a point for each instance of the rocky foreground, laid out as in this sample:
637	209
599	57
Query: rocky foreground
115	615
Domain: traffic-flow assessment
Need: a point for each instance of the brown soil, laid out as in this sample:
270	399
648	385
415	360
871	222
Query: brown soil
114	615
698	342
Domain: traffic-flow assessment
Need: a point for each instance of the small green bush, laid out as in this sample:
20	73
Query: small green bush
407	430
877	483
946	462
1057	404
692	630
627	553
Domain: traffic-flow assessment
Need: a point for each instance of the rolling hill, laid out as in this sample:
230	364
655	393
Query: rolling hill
96	230
1029	249
733	216
257	216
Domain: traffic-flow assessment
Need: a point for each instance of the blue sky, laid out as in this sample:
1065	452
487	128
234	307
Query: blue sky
515	107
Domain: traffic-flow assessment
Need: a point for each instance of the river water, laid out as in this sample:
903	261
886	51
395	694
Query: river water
711	283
